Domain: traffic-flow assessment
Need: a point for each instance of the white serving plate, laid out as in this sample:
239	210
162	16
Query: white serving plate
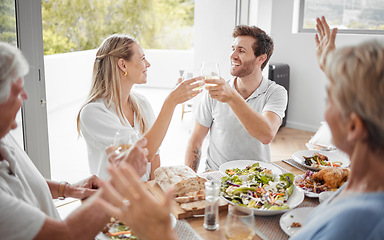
307	193
241	164
295	215
102	236
332	157
294	200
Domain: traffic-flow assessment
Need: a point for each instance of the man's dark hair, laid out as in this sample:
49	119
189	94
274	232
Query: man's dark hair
263	43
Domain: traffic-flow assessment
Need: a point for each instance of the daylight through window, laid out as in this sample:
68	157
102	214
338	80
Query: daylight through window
349	16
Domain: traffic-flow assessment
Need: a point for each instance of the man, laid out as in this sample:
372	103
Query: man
244	114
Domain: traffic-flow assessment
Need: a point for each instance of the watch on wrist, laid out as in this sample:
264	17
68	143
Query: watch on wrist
61	190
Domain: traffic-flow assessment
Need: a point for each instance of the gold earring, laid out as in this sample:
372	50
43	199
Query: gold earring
125	73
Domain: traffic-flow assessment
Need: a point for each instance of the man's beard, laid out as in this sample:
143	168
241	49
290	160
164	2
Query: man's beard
246	69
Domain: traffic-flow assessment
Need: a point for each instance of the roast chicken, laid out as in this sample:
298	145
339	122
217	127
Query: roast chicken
332	177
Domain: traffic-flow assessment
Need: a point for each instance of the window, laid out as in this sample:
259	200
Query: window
43	77
77	25
72	32
8	35
349	16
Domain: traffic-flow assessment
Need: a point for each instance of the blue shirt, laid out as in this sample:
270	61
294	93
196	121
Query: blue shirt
357	216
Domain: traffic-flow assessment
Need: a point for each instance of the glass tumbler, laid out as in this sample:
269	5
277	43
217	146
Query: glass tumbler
240	223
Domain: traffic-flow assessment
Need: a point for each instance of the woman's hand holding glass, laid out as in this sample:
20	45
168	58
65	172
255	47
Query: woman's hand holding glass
186	90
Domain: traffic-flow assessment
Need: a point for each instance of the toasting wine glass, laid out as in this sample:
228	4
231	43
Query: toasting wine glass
187	75
210	70
240	224
125	139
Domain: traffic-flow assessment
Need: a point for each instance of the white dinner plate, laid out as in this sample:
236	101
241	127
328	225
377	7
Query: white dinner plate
307	193
241	164
298	215
173	221
102	236
294	200
332	157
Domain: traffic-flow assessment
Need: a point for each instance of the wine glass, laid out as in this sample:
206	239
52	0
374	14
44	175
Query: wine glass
210	70
187	75
184	75
240	223
125	139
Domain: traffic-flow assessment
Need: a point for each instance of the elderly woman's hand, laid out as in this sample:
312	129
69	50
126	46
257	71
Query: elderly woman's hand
136	156
128	199
83	189
325	41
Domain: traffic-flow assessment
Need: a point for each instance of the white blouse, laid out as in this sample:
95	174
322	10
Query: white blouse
99	125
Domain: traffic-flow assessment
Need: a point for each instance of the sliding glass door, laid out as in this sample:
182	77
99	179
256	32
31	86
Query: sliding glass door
8	34
178	41
34	112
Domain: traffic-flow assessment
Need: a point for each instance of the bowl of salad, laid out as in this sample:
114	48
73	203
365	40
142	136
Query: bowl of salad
257	188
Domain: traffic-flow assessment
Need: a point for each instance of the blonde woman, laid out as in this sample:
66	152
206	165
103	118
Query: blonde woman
112	105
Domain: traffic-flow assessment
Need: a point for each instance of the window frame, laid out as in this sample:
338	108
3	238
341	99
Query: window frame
34	110
301	28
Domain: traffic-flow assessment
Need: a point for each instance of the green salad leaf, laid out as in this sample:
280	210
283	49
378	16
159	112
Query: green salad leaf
256	187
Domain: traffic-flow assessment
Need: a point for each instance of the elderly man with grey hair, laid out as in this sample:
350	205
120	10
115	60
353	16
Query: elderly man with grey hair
27	209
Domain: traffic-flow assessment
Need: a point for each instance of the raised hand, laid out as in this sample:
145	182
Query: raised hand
146	215
219	89
186	90
325	41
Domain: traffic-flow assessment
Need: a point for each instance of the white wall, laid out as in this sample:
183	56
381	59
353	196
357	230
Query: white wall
166	65
214	23
307	83
260	15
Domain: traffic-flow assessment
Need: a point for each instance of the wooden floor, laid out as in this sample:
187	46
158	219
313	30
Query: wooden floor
288	141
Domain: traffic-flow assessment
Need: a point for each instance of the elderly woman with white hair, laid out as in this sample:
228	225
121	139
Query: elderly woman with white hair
355	115
27	210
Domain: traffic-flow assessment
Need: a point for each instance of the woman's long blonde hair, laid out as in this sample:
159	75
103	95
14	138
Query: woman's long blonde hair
106	78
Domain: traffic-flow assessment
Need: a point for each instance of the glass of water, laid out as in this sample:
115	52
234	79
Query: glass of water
240	223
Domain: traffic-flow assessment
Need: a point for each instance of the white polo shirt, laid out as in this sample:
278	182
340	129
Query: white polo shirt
228	138
25	197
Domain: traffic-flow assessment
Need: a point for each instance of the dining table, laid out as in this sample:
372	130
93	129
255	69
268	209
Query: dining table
267	227
191	228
